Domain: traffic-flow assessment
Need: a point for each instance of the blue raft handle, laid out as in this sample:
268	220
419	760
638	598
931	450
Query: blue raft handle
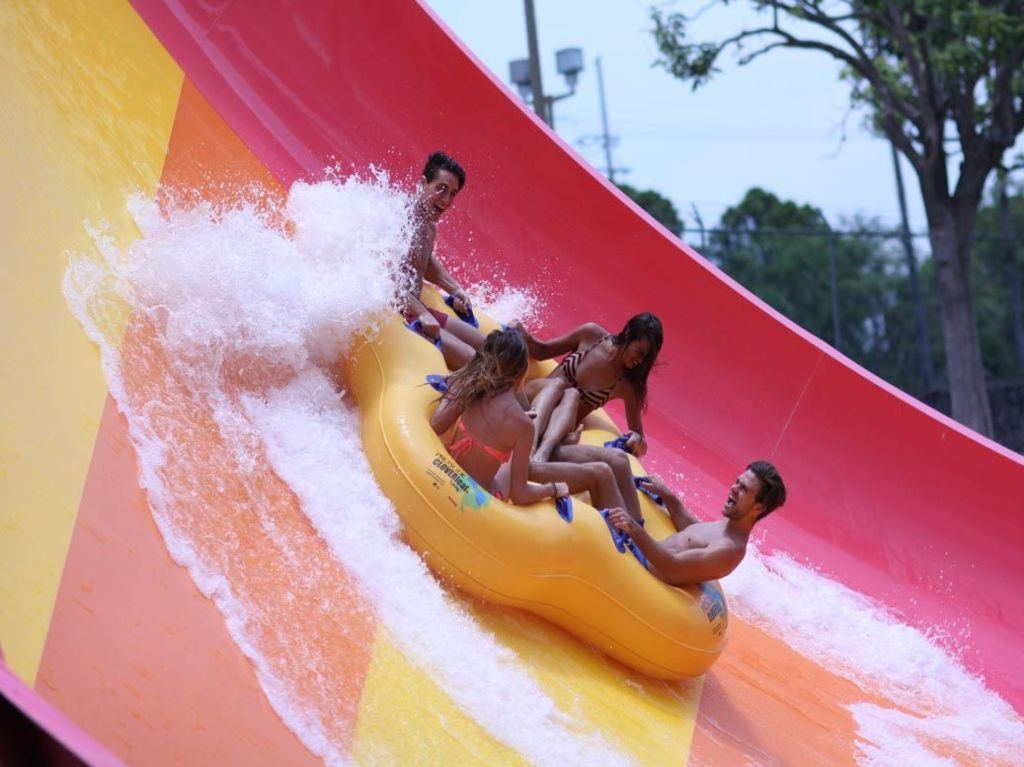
618	537
437	382
417	327
469	318
649	493
624	541
635	550
619	443
564	508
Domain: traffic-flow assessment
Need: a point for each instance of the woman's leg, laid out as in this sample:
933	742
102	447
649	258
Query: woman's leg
456	352
617	460
594	478
465	332
562	421
544	395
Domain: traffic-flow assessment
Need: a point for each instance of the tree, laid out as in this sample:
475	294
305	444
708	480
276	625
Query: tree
921	68
780	250
996	283
658	205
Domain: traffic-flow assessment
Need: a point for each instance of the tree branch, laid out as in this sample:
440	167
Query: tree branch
862	66
899	32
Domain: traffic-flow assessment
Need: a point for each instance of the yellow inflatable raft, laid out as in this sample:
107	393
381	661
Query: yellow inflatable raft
528	557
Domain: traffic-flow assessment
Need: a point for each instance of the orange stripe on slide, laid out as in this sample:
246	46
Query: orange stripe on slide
136	654
765	704
206	160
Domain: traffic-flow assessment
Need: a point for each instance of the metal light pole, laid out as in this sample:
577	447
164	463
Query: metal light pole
607	139
924	350
834	289
539	103
1012	272
525	73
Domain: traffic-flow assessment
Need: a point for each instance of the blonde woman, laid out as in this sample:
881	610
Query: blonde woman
493	436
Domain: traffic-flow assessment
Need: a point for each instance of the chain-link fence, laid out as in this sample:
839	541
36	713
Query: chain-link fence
873	295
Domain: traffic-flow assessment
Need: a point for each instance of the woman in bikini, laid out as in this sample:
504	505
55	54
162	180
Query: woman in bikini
598	367
493	436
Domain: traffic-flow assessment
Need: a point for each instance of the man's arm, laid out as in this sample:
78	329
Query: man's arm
415	309
677	512
679	568
413	306
438	275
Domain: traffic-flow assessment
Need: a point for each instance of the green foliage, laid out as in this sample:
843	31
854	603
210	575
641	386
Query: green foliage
914	65
657	205
778	249
925	70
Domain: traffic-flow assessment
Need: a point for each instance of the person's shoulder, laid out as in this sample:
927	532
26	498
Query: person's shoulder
424	231
729	550
591	332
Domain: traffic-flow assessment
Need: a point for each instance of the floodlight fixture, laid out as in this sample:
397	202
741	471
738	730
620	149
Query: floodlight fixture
519	74
570	63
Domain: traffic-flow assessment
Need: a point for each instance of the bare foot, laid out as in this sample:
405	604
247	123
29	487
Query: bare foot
573	437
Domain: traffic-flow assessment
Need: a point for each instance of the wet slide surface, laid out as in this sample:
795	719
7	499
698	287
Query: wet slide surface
270	647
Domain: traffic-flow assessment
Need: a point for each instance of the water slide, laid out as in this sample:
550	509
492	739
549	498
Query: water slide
168	597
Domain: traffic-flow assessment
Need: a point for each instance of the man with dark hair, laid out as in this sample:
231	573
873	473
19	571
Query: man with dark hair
705	551
442	180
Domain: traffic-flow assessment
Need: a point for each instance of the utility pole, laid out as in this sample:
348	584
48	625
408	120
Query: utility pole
837	339
923	347
606	138
1012	271
540	104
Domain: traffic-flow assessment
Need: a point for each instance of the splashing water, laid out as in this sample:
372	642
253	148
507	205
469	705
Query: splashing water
934	699
220	331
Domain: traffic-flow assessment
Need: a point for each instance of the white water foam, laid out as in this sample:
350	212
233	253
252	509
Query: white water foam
248	317
302	423
935	699
506	303
236	298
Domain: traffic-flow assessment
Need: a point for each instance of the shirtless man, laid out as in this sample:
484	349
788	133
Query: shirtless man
443	177
705	551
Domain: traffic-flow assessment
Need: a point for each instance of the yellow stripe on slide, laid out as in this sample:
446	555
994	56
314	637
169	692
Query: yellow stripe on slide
405	718
88	98
650	720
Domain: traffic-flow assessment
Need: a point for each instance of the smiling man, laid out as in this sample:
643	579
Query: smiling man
443	179
705	551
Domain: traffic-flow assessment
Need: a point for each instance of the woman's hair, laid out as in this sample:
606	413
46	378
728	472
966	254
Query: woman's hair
493	369
641	326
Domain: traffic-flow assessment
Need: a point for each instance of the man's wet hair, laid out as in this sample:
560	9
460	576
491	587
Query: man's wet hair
441	161
773	491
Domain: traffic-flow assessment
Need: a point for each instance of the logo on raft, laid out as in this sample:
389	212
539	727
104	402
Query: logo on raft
712	602
470	493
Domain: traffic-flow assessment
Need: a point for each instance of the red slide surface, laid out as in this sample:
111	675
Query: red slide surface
886	496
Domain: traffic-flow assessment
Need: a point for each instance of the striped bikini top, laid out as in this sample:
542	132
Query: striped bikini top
592	398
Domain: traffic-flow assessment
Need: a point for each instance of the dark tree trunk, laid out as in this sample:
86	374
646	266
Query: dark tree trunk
951	251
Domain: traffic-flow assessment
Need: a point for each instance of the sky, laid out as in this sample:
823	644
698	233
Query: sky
777	123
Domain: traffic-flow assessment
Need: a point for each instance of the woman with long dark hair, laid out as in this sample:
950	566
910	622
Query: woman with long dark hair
493	436
598	367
